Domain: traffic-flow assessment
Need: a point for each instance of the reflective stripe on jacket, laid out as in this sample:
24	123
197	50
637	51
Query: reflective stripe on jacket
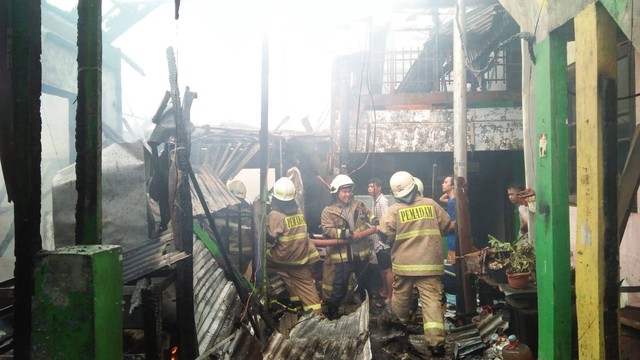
418	229
292	246
336	226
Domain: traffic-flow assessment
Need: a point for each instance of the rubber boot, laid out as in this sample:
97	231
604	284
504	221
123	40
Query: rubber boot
332	311
437	351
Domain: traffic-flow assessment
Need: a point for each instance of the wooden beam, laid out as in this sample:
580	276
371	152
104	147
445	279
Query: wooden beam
26	86
552	199
182	220
598	338
417	101
89	124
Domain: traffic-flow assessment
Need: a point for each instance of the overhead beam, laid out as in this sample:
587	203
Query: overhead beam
421	101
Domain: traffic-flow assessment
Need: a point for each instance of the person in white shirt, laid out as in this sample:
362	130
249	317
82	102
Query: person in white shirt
523	211
381	250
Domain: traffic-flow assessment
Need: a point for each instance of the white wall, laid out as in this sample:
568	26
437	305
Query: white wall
251	179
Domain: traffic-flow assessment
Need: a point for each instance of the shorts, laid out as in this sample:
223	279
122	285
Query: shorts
384	258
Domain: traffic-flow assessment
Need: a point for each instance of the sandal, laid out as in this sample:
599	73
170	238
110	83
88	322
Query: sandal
378	302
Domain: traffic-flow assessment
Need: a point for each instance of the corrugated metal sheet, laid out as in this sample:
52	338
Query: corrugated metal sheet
486	27
318	338
239	346
214	191
217	307
479	20
149	256
225	151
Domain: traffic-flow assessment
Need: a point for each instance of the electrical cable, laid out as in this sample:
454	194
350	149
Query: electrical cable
374	124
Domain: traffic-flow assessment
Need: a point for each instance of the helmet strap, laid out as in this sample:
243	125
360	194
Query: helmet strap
410	197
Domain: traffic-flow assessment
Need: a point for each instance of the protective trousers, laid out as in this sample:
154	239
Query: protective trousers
430	289
341	281
299	282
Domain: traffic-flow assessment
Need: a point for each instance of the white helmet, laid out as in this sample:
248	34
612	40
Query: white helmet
340	181
401	184
284	189
237	188
420	185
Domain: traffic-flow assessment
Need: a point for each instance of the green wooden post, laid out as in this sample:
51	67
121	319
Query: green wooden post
77	304
552	199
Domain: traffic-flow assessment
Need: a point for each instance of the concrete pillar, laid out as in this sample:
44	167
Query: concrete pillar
596	256
77	303
552	199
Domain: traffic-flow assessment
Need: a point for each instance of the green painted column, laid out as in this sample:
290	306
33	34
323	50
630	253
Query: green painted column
77	304
552	199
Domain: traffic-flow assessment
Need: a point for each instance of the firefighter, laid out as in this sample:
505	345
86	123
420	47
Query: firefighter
290	252
238	233
417	225
238	189
347	219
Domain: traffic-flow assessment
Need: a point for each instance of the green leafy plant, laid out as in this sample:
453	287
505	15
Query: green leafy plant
518	256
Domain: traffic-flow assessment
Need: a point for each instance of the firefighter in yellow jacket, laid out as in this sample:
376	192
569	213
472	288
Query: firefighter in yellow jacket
417	224
347	219
290	251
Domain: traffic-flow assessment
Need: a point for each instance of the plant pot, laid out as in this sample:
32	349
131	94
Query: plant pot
518	280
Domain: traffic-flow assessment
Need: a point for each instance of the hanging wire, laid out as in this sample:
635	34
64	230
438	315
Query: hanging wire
368	64
530	139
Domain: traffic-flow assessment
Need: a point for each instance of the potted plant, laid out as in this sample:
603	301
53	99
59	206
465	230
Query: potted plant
518	258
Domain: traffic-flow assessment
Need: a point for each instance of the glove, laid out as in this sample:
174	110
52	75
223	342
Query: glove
344	234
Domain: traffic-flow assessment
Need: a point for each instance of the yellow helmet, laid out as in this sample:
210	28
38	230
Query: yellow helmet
402	184
340	181
284	189
420	185
237	188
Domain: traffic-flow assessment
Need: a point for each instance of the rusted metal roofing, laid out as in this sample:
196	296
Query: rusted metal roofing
315	337
217	307
149	256
213	189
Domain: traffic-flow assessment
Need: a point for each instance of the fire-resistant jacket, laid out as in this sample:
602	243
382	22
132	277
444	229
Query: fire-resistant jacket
418	229
238	234
335	226
292	246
